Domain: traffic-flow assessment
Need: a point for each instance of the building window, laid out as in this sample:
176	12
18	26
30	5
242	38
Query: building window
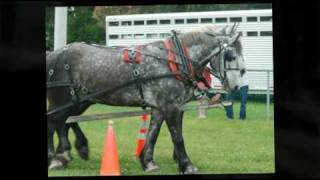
165	21
113	36
236	19
164	35
138	22
151	22
152	36
206	20
266	33
221	20
179	21
252	33
114	23
126	36
192	21
126	23
252	19
139	36
265	18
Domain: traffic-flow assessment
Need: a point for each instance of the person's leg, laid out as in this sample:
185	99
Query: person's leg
243	100
229	109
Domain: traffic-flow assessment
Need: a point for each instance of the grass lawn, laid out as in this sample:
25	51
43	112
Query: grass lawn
215	145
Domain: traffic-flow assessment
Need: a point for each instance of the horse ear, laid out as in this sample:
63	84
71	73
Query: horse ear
234	38
224	30
234	28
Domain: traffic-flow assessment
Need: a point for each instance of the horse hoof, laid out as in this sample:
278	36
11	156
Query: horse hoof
151	167
65	156
84	153
190	169
56	164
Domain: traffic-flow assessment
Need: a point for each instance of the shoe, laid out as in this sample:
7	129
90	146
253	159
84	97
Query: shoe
226	103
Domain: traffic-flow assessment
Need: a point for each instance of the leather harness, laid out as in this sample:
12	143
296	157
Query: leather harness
181	70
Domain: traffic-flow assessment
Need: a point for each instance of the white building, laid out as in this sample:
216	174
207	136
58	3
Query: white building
255	26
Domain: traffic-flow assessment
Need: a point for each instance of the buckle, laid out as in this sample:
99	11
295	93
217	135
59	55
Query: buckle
136	73
51	71
67	67
132	53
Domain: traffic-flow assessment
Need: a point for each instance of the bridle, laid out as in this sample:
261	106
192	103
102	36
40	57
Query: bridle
220	54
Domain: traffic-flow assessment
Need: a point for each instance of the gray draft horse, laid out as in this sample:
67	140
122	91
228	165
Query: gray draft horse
98	68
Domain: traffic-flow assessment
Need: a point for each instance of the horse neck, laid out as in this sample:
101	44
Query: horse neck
198	52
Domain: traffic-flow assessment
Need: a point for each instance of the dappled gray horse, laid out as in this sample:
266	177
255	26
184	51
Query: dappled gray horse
100	75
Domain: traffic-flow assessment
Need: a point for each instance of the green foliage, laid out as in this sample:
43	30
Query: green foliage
83	27
49	28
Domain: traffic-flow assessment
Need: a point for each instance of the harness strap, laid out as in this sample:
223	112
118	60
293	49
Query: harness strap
177	45
132	55
186	52
136	59
109	90
172	59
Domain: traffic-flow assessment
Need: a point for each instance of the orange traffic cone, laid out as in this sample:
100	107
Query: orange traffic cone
110	165
142	134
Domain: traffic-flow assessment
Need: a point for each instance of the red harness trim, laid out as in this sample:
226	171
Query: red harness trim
126	57
138	57
172	58
206	79
186	51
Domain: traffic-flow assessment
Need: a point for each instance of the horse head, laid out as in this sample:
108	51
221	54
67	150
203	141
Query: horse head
224	54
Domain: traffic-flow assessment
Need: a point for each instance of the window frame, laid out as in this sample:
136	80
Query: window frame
220	18
256	33
150	21
116	35
201	20
197	22
109	23
183	21
165	21
241	19
256	18
134	23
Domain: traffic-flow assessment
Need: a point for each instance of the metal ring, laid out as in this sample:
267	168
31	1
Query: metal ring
51	71
84	90
135	72
72	92
66	66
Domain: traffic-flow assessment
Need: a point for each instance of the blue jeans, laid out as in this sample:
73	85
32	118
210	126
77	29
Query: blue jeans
243	92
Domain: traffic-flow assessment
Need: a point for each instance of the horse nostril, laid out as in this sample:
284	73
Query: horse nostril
236	88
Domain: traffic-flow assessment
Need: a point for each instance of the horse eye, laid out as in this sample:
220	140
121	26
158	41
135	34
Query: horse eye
242	71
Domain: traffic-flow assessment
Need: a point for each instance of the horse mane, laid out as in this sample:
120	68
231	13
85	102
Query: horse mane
199	35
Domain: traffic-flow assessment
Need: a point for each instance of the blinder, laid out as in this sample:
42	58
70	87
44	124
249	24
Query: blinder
226	54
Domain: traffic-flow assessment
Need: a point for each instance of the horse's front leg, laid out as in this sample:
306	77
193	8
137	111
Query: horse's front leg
173	119
50	134
174	155
81	142
146	157
63	152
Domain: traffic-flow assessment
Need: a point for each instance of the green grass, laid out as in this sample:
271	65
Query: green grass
215	145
